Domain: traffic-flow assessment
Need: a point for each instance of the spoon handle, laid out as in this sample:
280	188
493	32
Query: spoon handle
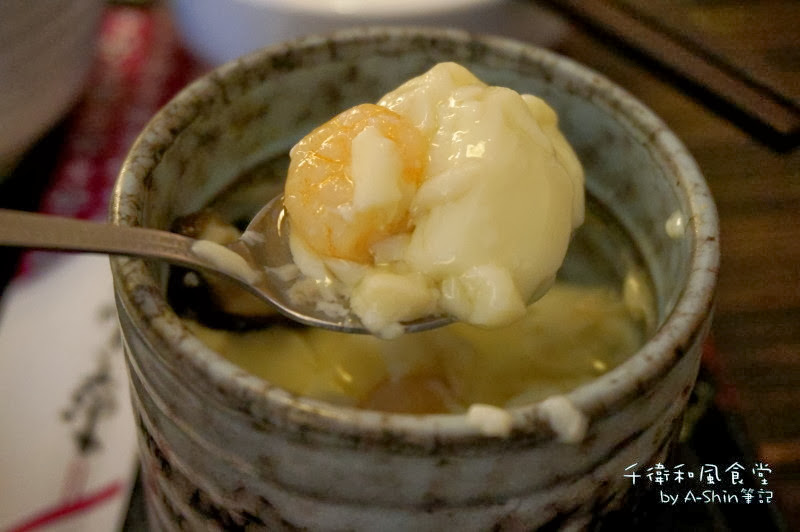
42	231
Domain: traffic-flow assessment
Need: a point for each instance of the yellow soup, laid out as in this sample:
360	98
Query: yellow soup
571	335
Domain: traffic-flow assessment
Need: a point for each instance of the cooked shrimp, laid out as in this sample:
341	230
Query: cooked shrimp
352	179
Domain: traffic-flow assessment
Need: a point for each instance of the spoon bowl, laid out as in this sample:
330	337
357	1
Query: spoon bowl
254	261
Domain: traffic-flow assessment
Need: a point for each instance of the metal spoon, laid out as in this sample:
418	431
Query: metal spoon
264	245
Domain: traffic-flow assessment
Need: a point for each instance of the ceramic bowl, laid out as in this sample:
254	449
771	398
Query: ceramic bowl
222	448
222	30
46	49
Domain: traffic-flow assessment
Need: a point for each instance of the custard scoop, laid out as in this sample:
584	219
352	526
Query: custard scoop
256	261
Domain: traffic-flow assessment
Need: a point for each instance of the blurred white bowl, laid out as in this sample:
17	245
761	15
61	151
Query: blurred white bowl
46	48
220	30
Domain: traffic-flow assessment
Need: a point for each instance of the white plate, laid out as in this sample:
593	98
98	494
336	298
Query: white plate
68	446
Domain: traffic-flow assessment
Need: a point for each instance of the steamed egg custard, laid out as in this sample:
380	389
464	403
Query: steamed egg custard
448	196
580	329
570	336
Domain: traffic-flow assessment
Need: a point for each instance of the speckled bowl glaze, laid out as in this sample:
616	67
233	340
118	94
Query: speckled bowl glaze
222	448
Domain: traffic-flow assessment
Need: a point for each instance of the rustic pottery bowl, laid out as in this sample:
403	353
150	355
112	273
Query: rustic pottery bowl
222	448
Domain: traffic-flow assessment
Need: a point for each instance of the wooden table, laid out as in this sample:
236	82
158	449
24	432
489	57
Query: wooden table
756	329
